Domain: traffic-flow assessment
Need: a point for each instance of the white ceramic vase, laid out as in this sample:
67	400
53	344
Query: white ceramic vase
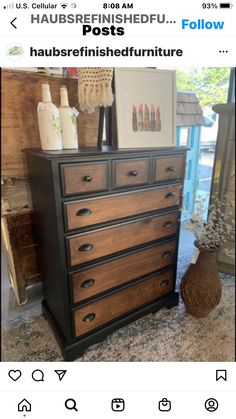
68	122
49	122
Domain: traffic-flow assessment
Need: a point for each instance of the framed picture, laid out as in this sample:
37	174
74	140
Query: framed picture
145	107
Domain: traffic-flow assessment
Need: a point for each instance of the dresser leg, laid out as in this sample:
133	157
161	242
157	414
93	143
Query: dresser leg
173	300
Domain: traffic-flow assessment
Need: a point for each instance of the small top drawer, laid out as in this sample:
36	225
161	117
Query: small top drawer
84	177
130	172
168	168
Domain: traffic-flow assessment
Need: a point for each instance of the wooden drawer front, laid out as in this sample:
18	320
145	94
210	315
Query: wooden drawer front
130	172
109	308
98	210
82	178
168	168
98	279
88	246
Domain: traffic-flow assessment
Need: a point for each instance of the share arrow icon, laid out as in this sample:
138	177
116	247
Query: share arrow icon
60	373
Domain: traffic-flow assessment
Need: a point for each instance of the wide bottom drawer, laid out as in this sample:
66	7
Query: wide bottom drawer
113	306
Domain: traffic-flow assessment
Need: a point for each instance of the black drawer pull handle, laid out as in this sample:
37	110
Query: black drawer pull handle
168	224
88	178
164	283
171	169
89	317
133	173
88	283
85	247
166	254
83	212
169	195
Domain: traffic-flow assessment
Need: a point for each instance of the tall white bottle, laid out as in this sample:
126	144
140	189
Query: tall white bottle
49	122
68	122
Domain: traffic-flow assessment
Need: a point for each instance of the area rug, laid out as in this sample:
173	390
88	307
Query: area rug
168	335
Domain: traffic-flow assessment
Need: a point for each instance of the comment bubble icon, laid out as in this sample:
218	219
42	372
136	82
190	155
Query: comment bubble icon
38	375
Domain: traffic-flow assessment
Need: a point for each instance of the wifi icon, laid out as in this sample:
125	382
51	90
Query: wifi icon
63	5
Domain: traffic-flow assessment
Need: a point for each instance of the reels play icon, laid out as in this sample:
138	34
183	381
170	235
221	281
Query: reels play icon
118	405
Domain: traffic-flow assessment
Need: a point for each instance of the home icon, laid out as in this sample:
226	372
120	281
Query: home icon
24	406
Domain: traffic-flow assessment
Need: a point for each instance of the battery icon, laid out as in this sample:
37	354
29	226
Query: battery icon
225	5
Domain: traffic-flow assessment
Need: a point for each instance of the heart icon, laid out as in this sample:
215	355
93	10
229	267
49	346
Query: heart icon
14	374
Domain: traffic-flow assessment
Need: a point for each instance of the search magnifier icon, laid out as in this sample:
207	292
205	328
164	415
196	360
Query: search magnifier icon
71	404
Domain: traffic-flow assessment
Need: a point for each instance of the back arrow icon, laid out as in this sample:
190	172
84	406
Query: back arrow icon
13	23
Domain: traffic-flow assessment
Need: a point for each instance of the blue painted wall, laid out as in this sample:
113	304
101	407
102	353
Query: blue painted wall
190	182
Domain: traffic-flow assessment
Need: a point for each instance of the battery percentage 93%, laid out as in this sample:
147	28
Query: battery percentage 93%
210	6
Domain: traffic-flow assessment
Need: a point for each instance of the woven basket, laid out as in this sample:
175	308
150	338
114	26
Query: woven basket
201	287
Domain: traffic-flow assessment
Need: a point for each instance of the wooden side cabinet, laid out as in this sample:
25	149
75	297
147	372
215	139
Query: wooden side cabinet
107	224
21	252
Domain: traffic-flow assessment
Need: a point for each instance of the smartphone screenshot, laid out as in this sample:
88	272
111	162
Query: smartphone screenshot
118	209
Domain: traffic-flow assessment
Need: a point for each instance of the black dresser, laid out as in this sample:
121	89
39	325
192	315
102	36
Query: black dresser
107	226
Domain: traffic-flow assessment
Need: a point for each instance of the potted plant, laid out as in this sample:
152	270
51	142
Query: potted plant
201	287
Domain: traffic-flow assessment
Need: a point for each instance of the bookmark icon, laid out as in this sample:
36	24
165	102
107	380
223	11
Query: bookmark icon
221	375
60	373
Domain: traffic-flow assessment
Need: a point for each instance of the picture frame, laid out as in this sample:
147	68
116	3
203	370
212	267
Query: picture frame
145	100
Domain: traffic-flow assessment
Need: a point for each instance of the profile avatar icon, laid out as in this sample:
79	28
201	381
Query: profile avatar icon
211	405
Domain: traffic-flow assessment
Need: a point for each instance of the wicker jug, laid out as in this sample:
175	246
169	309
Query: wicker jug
201	287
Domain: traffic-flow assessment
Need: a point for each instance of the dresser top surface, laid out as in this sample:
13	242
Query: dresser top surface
105	151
